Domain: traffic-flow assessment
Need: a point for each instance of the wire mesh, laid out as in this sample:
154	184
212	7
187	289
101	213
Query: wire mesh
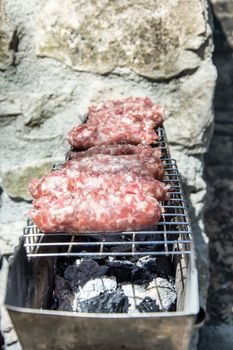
171	236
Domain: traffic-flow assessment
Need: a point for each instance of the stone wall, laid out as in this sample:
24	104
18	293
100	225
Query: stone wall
57	57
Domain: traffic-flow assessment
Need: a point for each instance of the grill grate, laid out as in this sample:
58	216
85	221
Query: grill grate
171	236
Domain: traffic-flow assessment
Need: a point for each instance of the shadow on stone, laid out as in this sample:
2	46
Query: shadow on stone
218	331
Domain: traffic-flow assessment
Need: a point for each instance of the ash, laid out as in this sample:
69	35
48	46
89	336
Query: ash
115	285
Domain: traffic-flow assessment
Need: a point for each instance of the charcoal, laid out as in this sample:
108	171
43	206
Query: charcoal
160	290
62	264
164	267
63	297
61	284
95	287
148	263
116	285
107	302
126	271
82	271
148	305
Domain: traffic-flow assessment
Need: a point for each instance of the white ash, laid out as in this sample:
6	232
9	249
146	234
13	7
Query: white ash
95	287
145	260
160	290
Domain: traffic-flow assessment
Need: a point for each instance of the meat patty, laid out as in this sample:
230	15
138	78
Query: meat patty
104	163
122	131
58	182
113	185
117	150
130	120
99	212
139	107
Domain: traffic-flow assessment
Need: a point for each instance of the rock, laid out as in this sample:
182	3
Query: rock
10	108
7	33
9	236
189	120
223	10
15	181
13	210
29	120
156	40
37	108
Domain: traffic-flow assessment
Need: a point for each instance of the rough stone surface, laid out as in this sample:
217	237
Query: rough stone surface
15	181
9	236
155	39
223	10
7	33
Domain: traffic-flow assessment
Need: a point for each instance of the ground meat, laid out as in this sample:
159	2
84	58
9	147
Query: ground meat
123	131
58	182
130	120
97	212
112	186
140	107
117	150
104	163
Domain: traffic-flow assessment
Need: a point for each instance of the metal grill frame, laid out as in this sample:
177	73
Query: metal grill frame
171	236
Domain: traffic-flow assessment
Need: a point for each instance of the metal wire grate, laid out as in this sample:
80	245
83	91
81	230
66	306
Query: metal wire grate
171	236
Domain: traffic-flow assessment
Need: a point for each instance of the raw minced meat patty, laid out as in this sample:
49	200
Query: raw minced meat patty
87	135
139	107
113	185
105	163
59	182
117	150
131	120
107	212
91	194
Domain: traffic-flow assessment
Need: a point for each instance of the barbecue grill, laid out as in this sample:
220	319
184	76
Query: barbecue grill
31	282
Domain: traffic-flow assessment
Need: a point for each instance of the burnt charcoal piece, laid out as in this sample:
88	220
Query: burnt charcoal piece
164	267
148	305
122	270
106	303
149	264
62	296
81	272
62	264
126	271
